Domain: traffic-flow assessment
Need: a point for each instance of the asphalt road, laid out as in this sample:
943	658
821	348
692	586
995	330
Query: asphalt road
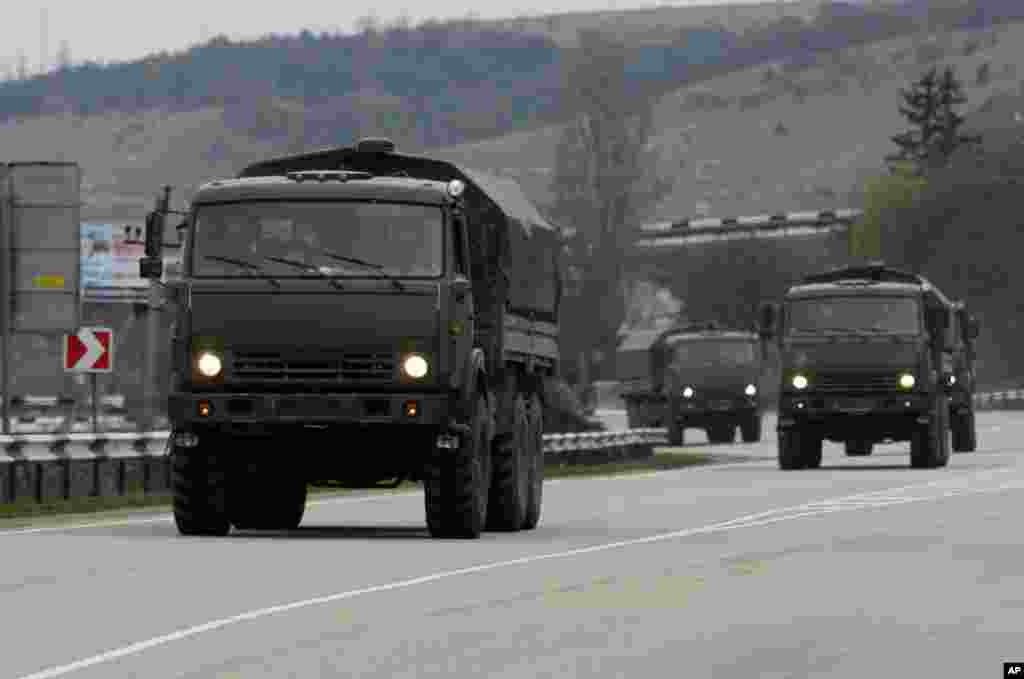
864	568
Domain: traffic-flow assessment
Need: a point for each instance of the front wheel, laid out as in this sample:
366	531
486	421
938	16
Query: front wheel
536	465
751	429
929	445
456	481
199	479
965	432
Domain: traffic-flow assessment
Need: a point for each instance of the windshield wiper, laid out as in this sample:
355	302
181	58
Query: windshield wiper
246	265
307	267
361	262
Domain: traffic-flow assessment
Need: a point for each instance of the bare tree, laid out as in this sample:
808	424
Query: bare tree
604	181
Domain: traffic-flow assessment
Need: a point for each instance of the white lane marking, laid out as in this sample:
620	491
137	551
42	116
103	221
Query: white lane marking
748	521
163	518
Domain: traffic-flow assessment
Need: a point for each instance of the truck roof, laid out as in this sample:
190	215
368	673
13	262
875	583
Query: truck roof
378	157
283	188
874	278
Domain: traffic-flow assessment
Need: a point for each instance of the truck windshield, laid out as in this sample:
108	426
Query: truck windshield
693	353
892	315
338	239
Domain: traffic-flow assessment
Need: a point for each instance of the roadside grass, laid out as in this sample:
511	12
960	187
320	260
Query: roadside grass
24	513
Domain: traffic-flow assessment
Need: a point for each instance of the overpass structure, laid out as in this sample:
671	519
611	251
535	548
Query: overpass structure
701	230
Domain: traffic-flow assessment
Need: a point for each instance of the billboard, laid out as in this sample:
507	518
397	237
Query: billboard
110	255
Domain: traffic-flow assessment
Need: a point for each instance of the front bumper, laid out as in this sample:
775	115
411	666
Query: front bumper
872	417
185	410
700	411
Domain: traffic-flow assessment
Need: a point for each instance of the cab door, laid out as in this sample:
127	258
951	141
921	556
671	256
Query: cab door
461	318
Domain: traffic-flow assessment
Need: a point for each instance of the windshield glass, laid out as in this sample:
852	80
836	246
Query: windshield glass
899	315
696	353
391	239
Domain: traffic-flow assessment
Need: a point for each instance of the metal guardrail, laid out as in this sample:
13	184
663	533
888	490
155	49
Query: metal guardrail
1012	399
54	467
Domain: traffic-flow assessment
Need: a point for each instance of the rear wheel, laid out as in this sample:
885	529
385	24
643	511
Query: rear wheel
510	481
964	431
263	500
199	485
722	433
456	481
799	449
536	466
858	448
751	429
929	445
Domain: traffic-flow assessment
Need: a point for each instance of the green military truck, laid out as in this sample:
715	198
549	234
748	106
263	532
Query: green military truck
360	317
702	375
872	354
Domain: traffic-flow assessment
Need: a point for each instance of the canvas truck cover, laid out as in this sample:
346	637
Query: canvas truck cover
514	233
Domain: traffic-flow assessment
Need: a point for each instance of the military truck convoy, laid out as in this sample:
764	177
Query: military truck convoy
872	354
701	375
358	316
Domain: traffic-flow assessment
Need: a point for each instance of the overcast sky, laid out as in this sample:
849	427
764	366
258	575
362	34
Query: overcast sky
122	30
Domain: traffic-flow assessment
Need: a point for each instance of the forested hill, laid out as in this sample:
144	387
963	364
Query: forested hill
436	84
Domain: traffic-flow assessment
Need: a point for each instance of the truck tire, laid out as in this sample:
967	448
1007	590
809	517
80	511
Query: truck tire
751	429
455	481
858	448
199	487
510	480
725	433
262	501
929	444
675	432
799	449
536	466
965	432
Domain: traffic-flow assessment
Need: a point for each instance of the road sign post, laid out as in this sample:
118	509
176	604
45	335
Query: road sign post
91	351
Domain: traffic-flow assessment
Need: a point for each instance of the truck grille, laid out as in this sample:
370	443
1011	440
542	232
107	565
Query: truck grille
350	367
856	382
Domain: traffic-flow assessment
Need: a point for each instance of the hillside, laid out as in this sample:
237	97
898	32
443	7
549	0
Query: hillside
489	96
749	143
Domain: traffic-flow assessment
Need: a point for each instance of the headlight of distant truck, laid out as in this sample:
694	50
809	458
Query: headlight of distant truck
208	364
800	382
751	390
907	381
688	392
415	366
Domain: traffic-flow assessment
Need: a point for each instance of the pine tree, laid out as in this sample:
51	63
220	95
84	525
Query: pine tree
920	108
949	122
930	108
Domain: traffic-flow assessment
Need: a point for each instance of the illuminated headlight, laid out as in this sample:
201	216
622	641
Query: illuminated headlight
209	364
688	392
907	381
800	382
456	188
415	366
751	390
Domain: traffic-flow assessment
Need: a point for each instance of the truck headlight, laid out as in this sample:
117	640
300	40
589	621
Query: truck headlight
907	381
688	392
800	382
751	390
415	366
209	364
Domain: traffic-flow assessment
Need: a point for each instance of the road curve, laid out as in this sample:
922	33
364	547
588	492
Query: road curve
862	568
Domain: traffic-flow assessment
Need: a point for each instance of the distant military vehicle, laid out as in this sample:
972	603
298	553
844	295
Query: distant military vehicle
701	375
872	354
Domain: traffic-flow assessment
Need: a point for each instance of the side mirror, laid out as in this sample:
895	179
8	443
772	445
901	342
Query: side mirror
767	321
154	234
151	268
460	286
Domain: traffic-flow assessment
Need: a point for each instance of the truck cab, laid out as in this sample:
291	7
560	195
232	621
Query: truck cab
868	355
710	377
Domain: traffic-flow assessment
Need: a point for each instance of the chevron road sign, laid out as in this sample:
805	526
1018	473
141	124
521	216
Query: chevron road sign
89	351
